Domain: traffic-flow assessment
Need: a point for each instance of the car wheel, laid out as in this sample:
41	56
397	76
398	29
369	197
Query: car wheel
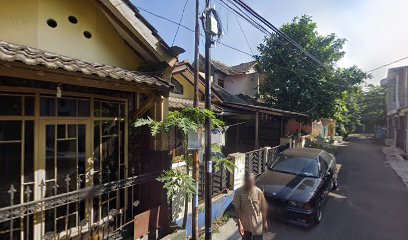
334	184
317	217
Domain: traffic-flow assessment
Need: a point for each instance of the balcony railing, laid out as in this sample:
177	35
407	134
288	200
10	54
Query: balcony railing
63	216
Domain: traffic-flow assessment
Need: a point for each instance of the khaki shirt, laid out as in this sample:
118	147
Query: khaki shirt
251	205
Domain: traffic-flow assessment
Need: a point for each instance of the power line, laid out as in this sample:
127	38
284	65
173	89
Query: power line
236	49
191	30
388	64
246	39
248	9
181	18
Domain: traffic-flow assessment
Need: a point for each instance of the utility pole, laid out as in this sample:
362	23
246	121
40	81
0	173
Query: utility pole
195	104
212	27
207	154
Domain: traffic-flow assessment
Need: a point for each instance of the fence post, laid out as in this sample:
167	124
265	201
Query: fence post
265	158
237	177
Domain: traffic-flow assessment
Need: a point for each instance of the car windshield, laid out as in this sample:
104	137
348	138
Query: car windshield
296	166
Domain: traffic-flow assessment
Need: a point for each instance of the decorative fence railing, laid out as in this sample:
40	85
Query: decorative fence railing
96	212
220	182
257	161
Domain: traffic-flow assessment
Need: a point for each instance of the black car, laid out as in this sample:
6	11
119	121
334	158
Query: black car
297	184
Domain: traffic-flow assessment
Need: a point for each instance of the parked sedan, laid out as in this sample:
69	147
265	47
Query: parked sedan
297	184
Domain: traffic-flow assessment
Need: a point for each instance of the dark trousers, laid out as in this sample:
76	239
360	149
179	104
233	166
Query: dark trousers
249	236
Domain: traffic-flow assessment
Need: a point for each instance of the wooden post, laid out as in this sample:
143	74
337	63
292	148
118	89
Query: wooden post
257	130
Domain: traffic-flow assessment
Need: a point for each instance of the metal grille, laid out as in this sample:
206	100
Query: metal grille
18	220
220	182
258	160
255	161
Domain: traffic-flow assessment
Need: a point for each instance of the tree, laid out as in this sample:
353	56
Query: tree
373	106
294	83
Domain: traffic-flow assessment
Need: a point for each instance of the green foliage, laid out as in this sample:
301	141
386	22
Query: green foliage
176	182
220	161
185	120
293	84
373	106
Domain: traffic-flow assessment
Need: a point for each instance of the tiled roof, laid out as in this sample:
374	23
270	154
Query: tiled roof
32	56
243	67
219	66
229	98
180	103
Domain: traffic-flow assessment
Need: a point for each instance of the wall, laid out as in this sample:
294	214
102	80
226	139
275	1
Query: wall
246	84
24	22
188	88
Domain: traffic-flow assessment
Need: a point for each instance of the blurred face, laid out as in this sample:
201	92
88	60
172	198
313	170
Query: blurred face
249	182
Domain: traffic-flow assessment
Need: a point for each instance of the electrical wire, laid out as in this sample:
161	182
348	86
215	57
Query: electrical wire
245	37
178	26
247	8
388	64
191	30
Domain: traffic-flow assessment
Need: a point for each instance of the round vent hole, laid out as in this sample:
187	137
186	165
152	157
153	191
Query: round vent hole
87	34
52	23
73	19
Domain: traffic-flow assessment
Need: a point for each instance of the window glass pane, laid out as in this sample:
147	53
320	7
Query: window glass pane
97	109
10	105
97	150
122	110
50	151
61	131
47	106
81	152
67	163
110	158
72	131
109	128
83	108
67	107
29	106
109	109
10	160
29	152
10	130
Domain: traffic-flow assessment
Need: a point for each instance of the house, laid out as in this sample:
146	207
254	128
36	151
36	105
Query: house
250	124
396	86
243	79
74	75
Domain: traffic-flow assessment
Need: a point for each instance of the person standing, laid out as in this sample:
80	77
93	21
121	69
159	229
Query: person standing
250	208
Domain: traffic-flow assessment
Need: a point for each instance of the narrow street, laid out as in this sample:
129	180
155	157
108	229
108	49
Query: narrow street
372	202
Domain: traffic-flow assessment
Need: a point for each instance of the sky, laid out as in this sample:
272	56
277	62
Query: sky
375	30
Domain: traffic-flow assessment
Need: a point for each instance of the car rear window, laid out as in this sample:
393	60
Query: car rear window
297	166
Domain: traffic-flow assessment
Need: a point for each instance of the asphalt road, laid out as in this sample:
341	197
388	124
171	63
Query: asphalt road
371	204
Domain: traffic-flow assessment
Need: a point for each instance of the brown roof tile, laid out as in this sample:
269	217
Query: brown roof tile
32	56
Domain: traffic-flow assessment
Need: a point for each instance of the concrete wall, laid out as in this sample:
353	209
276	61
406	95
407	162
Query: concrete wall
219	202
188	92
246	84
25	22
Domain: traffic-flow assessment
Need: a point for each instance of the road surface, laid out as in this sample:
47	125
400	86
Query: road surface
371	204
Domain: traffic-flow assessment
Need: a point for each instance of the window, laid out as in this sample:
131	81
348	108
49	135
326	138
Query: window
221	82
178	88
64	107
